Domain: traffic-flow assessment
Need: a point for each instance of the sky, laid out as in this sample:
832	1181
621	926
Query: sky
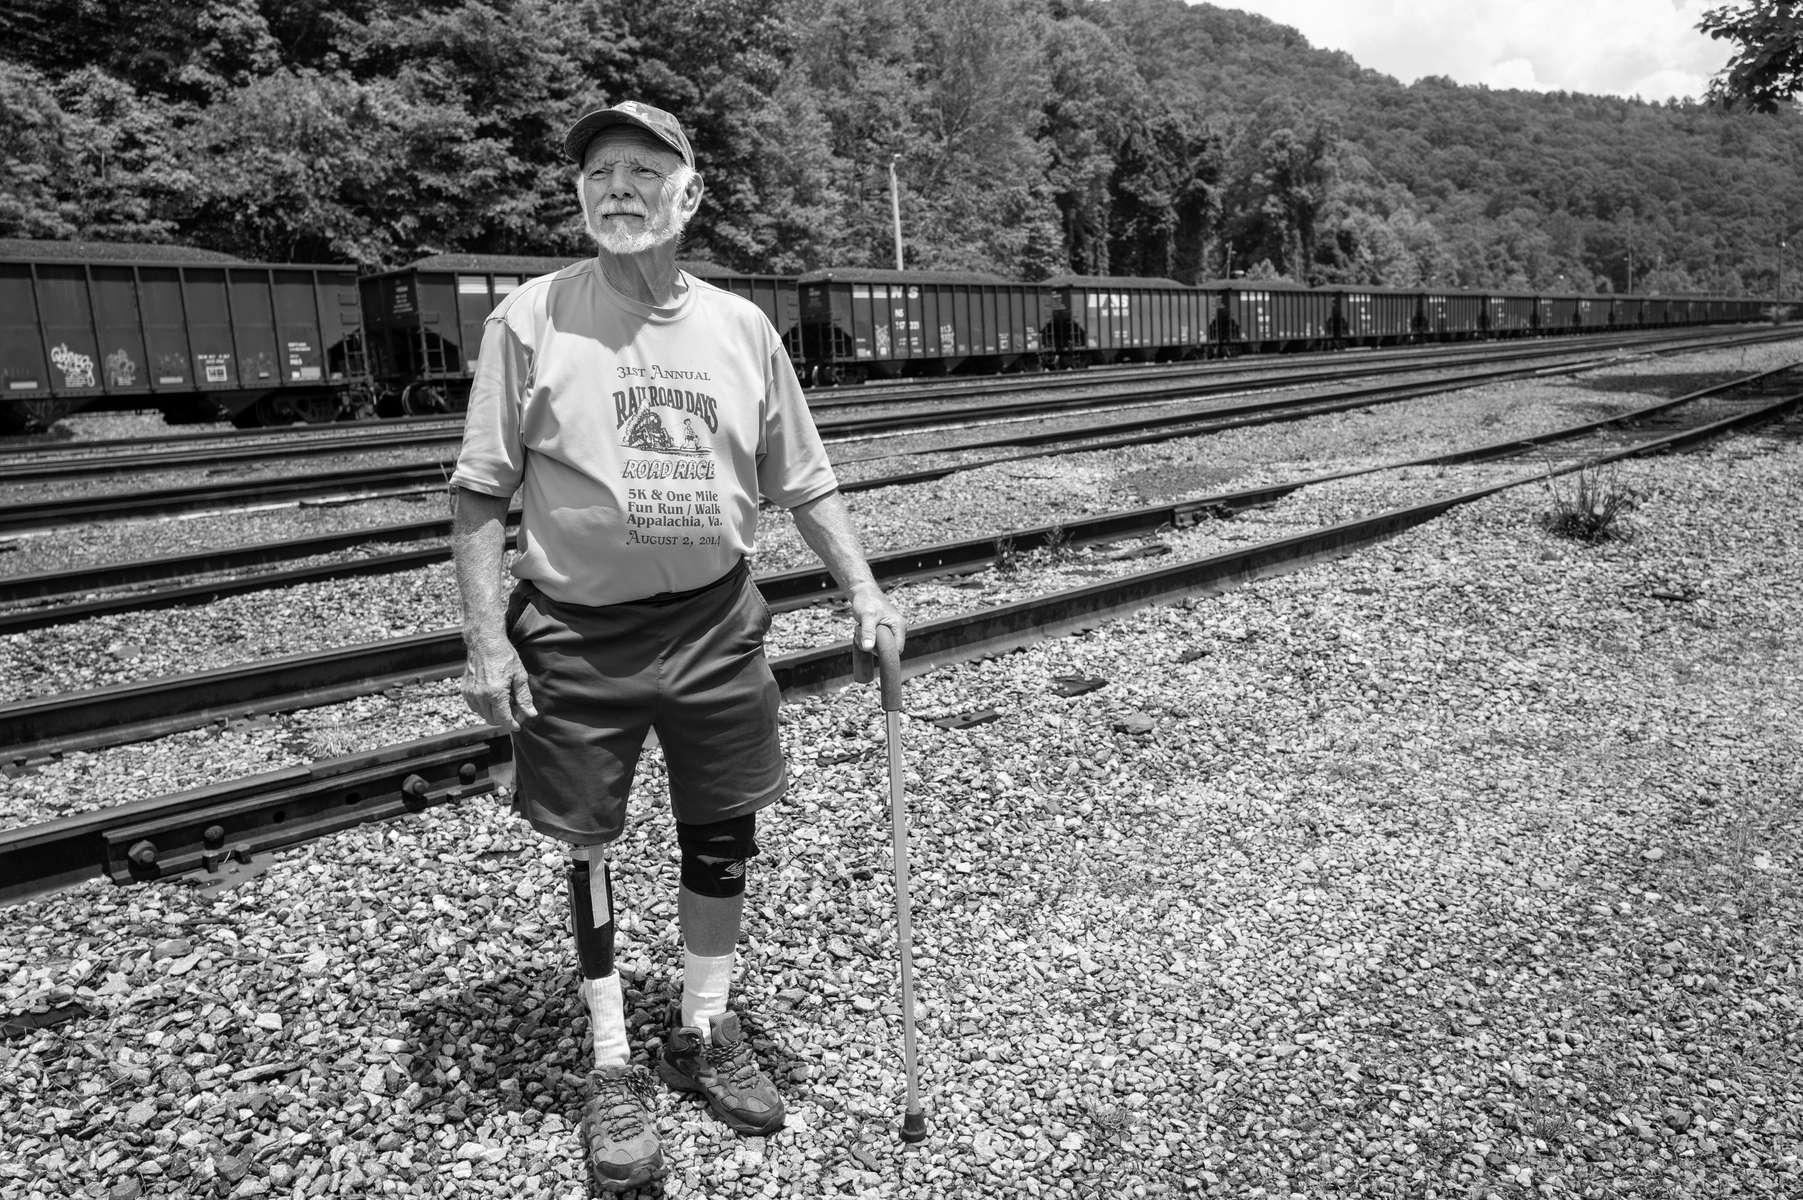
1645	48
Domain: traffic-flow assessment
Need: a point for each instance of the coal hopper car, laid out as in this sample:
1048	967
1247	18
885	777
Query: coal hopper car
197	335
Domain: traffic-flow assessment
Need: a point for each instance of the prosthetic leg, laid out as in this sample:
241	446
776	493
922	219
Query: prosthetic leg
619	1136
592	923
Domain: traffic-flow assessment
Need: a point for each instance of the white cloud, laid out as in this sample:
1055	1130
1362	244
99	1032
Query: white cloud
1649	48
1517	73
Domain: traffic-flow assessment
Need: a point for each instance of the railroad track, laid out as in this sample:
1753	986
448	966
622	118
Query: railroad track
1129	431
384	482
228	829
62	586
72	594
1147	384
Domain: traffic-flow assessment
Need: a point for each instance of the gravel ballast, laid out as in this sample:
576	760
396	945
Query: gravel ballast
139	646
1464	866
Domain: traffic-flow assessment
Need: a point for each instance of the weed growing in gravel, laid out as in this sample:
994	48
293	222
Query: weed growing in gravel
1591	511
1007	557
1109	1125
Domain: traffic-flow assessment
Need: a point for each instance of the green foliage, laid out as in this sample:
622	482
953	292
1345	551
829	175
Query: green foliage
87	157
1029	138
32	157
1767	70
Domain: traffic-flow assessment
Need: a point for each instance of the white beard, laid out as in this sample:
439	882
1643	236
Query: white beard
662	226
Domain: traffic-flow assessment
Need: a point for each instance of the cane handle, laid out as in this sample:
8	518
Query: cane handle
885	663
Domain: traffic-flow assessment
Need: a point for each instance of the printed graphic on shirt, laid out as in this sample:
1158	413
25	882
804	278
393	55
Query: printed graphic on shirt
667	433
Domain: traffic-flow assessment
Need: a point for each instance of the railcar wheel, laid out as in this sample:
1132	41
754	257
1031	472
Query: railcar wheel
358	404
422	400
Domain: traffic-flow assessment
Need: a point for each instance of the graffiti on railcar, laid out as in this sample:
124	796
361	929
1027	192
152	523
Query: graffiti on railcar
77	368
121	371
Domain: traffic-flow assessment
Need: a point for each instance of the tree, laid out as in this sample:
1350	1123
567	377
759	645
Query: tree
1165	202
87	157
1768	68
172	50
1089	109
33	157
477	94
309	167
124	166
975	166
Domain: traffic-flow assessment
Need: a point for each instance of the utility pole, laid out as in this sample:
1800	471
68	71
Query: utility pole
895	208
1630	270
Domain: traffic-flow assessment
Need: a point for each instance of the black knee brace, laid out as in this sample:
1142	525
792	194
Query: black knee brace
594	930
714	856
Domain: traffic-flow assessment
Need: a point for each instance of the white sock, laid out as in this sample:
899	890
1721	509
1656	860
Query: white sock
607	1019
705	982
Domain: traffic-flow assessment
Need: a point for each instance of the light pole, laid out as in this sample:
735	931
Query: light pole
895	208
1780	297
1784	237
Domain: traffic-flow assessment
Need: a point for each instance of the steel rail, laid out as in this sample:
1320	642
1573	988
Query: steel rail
77	466
229	829
376	482
83	581
69	459
35	729
86	581
44	514
1339	370
73	466
77	581
38	515
187	498
86	720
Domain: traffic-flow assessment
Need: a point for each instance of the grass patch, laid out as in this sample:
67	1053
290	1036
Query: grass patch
1590	510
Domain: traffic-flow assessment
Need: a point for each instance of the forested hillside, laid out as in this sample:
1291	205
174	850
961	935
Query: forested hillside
1141	137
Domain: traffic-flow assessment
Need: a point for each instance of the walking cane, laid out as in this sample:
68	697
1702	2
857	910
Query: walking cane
888	667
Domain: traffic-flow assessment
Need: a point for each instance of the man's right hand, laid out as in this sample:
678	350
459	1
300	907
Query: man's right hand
496	688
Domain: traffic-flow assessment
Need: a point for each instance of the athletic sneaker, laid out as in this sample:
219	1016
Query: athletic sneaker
725	1073
617	1134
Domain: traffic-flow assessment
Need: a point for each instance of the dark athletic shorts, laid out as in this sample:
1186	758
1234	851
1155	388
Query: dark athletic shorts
689	664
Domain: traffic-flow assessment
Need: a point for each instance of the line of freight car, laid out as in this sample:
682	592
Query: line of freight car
424	320
190	332
863	324
205	337
275	343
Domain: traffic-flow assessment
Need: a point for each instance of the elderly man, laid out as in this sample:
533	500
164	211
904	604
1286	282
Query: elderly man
640	412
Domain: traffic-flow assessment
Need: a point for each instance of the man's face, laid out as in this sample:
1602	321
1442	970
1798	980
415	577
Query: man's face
636	194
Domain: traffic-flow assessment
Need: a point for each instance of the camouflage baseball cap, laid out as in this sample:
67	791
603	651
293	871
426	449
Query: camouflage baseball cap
654	121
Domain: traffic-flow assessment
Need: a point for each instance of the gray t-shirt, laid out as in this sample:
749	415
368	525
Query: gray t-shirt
638	437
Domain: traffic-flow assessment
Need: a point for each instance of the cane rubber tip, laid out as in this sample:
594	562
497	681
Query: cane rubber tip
914	1127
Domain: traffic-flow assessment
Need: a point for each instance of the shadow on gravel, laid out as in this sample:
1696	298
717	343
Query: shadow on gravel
497	1044
514	1043
1669	386
1168	481
518	1042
